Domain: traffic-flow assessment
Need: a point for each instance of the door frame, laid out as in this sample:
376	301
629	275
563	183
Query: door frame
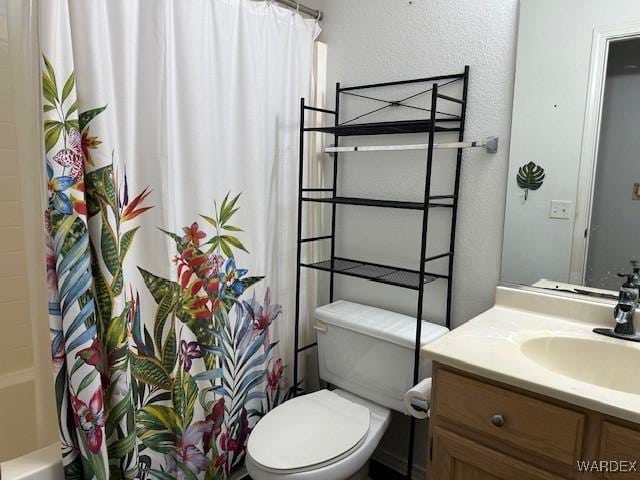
602	37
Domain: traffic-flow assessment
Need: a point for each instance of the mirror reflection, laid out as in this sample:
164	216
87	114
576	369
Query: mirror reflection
573	195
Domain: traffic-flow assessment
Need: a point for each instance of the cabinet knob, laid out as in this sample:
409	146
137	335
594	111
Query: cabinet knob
497	420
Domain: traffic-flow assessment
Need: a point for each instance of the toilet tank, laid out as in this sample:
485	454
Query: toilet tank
370	352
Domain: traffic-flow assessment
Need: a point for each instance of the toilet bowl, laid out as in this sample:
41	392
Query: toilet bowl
276	451
366	352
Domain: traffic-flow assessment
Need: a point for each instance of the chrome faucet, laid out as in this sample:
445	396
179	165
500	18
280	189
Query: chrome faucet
625	309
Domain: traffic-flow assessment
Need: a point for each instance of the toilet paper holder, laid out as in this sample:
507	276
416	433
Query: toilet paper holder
417	399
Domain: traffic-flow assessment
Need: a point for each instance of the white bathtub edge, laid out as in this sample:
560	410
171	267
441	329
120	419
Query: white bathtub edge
43	464
14	378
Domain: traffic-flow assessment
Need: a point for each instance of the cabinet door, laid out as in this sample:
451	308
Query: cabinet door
620	447
458	458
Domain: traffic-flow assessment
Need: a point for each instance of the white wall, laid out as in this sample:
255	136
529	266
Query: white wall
554	51
378	40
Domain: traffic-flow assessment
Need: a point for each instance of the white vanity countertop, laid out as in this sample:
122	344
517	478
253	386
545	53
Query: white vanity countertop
544	343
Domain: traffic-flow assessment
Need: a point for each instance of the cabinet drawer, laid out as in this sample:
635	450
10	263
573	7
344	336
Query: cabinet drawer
621	445
528	423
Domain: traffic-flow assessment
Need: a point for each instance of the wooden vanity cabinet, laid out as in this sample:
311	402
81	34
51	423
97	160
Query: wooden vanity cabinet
484	430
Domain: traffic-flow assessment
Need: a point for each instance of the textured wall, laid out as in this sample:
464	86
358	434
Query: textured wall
380	40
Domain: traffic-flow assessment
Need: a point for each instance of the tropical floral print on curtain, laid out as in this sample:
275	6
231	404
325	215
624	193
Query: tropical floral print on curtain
152	391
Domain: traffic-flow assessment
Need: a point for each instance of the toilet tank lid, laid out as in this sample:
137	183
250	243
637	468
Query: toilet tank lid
376	322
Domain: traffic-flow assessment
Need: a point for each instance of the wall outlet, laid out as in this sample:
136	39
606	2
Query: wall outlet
560	209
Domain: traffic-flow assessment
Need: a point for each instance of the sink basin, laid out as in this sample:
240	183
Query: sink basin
607	364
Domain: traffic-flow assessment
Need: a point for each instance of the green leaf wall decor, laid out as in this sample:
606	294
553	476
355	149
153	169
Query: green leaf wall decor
530	177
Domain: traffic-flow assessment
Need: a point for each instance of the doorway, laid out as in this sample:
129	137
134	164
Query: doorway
614	227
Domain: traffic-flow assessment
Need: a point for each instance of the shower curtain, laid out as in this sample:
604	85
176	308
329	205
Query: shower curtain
170	144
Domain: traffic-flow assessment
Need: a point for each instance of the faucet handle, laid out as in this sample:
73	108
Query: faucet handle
631	280
635	265
626	307
627	276
629	291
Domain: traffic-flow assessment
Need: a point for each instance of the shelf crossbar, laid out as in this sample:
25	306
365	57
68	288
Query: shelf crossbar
315	239
451	99
436	257
371	202
388	128
306	347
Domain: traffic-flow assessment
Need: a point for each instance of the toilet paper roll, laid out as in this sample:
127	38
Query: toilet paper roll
418	396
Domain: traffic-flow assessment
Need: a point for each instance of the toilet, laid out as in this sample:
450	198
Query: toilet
368	354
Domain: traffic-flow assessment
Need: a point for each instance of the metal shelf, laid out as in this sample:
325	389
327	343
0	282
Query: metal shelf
388	128
370	202
413	279
399	277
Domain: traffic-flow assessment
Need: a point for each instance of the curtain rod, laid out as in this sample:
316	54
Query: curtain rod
317	14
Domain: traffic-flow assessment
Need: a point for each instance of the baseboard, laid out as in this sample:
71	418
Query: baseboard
398	463
240	474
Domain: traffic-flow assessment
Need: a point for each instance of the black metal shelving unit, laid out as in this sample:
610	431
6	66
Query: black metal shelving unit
413	279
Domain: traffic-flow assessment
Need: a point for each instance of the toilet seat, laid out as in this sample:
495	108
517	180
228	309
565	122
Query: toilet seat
308	432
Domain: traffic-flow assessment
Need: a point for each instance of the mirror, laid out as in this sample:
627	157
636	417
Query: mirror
572	219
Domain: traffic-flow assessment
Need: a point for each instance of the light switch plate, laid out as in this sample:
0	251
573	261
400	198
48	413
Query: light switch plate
560	209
